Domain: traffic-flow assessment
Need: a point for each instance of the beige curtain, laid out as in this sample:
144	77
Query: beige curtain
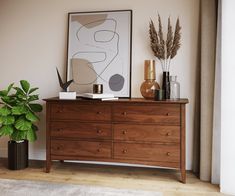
205	158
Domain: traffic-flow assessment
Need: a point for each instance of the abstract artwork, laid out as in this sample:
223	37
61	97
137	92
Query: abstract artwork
99	51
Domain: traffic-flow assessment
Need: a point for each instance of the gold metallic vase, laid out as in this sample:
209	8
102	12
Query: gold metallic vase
149	86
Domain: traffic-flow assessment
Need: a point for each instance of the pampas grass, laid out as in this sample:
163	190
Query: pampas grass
165	50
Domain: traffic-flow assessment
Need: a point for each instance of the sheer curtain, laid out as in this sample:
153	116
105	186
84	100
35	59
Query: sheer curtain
207	127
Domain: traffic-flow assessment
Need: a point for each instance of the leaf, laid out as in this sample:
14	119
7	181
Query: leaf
32	90
22	124
6	99
10	87
31	117
18	135
3	93
35	107
22	97
31	135
34	127
33	98
4	111
25	85
19	91
6	130
18	110
7	120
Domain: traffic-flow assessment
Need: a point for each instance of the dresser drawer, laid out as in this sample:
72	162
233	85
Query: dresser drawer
72	129
147	152
162	114
81	112
147	133
81	148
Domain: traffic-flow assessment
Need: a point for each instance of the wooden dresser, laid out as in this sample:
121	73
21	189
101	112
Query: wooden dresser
136	131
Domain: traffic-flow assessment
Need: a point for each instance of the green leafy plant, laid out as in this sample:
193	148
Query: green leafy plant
18	112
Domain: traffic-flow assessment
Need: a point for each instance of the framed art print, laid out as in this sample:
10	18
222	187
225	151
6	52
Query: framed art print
99	51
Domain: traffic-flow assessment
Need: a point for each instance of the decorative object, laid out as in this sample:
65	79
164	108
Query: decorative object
17	120
96	95
175	88
165	50
99	51
128	131
159	95
166	84
64	85
67	95
97	88
148	87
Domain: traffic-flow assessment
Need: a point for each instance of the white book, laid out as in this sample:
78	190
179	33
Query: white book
108	99
96	96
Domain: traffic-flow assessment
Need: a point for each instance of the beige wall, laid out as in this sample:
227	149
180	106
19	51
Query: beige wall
33	42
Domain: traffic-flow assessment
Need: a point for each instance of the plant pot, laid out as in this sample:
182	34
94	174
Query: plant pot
17	155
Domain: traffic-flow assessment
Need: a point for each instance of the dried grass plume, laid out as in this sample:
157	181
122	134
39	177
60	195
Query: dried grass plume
165	50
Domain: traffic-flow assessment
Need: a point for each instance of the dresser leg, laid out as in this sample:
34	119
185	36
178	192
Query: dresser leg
48	166
183	176
61	161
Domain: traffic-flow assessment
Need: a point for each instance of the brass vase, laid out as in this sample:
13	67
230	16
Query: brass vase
149	86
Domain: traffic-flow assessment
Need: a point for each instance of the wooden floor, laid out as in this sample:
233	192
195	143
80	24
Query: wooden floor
160	180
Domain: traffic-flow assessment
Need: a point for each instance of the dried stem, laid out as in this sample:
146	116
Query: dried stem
164	50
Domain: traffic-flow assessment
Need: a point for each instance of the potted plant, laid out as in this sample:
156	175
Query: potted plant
17	120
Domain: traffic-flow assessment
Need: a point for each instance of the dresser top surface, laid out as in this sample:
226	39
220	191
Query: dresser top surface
121	100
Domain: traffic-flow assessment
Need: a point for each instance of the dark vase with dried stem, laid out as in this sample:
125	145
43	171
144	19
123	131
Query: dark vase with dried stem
165	50
166	84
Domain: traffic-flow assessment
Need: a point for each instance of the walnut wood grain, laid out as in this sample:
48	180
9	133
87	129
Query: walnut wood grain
71	111
159	113
175	165
81	148
182	145
133	131
147	133
119	101
147	152
79	130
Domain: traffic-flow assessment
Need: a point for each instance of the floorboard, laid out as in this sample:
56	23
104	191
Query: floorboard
161	180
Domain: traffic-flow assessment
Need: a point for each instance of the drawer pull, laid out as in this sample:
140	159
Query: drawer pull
124	151
167	114
60	109
124	132
168	154
99	131
98	150
58	148
59	129
98	112
168	134
124	113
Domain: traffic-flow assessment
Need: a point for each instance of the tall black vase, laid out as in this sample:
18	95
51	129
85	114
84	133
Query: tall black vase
17	155
166	84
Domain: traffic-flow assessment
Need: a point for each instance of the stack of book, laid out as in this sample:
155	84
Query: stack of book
103	96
